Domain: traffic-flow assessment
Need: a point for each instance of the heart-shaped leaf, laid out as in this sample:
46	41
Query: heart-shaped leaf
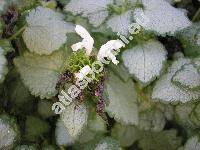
120	23
95	11
41	73
187	77
75	119
167	91
145	62
161	17
122	100
46	31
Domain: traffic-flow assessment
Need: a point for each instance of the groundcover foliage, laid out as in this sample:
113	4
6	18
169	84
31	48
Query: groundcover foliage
144	96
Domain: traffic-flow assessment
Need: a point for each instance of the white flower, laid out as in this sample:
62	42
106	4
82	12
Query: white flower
87	41
83	72
106	50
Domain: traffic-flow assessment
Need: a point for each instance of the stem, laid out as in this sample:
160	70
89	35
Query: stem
17	33
141	93
196	15
62	148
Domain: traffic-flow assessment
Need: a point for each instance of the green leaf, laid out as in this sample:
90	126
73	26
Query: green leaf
96	126
126	135
18	94
75	118
167	110
195	115
48	147
23	5
182	114
152	120
6	46
120	71
35	127
122	100
188	115
45	108
89	145
165	140
86	136
41	73
26	147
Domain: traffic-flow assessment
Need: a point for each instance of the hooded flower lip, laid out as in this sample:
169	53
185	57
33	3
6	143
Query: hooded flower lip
87	41
83	72
106	50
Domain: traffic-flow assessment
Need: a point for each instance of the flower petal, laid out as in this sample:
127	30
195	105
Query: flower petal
87	41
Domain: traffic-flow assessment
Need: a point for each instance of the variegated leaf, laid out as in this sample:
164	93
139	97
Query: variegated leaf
46	31
187	77
161	17
75	119
122	100
95	11
120	23
108	144
3	65
41	73
145	61
166	91
62	134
